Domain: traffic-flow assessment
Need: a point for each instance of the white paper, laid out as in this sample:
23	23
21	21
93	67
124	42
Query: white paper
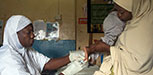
52	32
39	29
47	31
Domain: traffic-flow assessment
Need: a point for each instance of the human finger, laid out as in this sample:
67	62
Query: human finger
86	54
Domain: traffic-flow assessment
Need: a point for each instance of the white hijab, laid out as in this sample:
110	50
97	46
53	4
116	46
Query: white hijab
14	24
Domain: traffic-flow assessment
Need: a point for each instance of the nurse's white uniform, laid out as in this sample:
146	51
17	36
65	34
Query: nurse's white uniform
14	58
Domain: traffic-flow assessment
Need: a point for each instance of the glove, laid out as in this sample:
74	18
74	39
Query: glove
75	67
76	55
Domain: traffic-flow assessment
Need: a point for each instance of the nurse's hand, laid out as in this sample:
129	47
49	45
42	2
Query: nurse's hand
74	67
76	55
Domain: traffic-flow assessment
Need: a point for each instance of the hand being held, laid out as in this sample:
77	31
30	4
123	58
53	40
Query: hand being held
86	53
99	46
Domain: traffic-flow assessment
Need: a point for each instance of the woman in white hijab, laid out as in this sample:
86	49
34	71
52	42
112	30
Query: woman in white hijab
16	55
133	51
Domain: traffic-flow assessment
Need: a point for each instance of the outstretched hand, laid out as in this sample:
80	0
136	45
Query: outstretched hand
99	46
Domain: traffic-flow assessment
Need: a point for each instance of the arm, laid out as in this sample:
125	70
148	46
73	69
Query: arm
99	46
56	63
61	74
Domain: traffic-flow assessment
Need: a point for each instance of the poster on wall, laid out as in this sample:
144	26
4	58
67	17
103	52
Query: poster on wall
52	32
46	30
97	14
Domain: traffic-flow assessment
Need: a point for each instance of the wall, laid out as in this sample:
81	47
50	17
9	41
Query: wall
45	10
82	35
71	11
